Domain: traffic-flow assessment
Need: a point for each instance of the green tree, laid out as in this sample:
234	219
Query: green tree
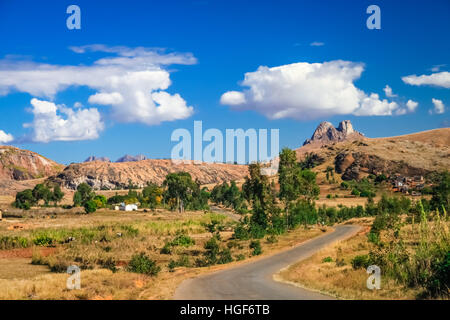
179	186
24	199
83	194
441	193
42	192
100	201
58	195
152	195
287	171
90	206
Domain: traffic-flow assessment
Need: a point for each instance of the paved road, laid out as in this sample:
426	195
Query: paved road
253	281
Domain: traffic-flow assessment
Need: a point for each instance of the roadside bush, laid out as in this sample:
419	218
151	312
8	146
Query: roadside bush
327	259
225	257
373	237
240	257
183	261
439	283
361	261
241	233
140	263
212	250
256	246
272	239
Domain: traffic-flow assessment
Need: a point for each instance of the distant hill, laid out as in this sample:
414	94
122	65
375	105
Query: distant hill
94	158
106	175
18	164
128	158
413	154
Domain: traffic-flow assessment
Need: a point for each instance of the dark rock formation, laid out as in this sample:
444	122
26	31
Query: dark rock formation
326	133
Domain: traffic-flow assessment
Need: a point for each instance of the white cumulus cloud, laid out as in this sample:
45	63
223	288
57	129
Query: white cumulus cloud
388	92
440	79
439	107
127	79
411	105
106	98
58	123
307	91
5	137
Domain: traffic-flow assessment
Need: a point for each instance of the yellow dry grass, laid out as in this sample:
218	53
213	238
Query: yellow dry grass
26	281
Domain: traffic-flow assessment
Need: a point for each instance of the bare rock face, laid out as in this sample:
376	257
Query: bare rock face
346	127
326	133
110	175
18	164
128	158
94	158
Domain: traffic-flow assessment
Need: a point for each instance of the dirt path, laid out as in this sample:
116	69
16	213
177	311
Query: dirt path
228	213
254	280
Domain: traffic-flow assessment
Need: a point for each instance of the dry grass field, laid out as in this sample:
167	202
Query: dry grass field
104	243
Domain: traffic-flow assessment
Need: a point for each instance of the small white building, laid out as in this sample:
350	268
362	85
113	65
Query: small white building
128	207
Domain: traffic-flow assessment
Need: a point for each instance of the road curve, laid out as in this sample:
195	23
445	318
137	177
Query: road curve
254	280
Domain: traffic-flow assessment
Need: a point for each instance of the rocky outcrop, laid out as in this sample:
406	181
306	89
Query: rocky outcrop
128	158
94	158
104	175
356	165
18	164
326	133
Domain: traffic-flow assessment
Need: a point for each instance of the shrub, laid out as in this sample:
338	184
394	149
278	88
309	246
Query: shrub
212	250
327	259
167	249
373	237
256	246
272	239
240	257
108	263
43	240
345	185
225	257
140	263
183	261
90	206
241	233
183	240
439	282
7	242
361	261
340	262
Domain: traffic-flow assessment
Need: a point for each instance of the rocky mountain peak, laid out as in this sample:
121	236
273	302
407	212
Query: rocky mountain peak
94	158
326	133
346	127
128	158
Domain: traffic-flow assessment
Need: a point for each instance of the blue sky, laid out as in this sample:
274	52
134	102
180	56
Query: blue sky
216	44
